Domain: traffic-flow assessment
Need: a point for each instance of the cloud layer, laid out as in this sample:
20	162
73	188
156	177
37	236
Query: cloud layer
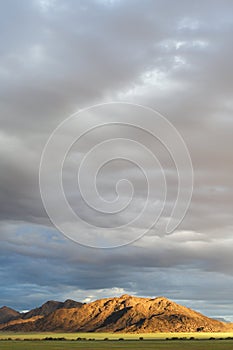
60	56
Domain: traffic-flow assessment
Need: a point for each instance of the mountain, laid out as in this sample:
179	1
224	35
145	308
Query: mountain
50	306
8	314
10	317
122	314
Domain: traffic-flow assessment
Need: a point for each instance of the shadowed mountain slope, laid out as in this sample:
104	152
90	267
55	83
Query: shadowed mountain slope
123	314
8	314
50	306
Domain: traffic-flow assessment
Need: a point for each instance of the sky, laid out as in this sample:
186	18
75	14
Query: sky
61	57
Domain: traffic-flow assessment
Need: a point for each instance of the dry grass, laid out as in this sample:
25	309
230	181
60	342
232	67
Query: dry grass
116	336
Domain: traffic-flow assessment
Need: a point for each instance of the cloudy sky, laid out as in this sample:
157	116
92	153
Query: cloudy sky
58	57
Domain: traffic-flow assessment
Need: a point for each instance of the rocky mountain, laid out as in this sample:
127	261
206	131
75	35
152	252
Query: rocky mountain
50	306
122	314
10	317
8	314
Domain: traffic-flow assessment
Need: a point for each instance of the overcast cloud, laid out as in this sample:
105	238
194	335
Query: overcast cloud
57	57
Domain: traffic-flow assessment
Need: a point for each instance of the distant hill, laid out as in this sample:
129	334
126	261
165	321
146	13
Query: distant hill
10	317
8	314
50	306
122	314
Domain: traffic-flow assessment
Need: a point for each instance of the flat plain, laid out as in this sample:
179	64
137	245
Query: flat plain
114	336
119	345
31	341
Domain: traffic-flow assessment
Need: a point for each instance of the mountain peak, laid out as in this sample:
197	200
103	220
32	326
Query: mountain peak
5	308
120	314
8	314
125	296
50	306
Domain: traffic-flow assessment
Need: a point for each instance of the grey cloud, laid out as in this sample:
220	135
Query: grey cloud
176	58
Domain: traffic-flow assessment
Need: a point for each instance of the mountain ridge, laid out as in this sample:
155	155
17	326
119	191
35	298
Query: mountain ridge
50	306
8	314
120	314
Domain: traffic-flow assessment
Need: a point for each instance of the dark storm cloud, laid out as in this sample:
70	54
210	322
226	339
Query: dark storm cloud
59	56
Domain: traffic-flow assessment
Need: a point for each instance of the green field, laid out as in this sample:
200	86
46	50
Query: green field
119	345
31	341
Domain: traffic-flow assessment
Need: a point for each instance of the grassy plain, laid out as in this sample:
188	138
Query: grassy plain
119	345
34	341
114	336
